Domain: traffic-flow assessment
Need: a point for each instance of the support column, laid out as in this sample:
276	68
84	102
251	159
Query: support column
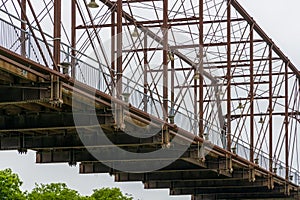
251	96
172	111
229	76
73	39
165	60
145	72
56	88
57	32
201	54
119	49
270	110
113	45
286	122
23	28
119	113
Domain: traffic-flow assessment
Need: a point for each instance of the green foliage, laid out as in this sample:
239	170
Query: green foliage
53	191
10	190
10	185
109	194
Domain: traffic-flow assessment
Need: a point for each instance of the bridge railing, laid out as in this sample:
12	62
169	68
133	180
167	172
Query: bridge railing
88	70
261	158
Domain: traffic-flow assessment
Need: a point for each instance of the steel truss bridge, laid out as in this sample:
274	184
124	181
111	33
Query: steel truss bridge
196	86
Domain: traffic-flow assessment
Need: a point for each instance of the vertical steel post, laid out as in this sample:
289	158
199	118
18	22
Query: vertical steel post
145	72
119	49
165	59
119	112
196	71
113	44
270	109
229	76
57	32
172	89
23	28
286	122
201	46
251	96
73	38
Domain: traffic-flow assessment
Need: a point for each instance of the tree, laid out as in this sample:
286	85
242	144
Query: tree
53	191
108	194
10	185
10	190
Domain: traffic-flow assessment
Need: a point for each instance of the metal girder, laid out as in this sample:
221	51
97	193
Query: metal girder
224	190
70	139
167	176
242	196
102	167
215	183
30	122
62	156
188	20
107	153
208	174
109	156
10	95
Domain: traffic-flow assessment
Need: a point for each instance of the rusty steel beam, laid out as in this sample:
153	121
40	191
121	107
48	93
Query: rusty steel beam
266	114
286	123
73	39
244	60
165	60
187	46
247	99
188	19
224	84
57	32
257	75
137	1
251	96
23	28
270	110
145	53
113	44
228	74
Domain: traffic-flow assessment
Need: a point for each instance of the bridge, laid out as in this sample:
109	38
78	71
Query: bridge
192	96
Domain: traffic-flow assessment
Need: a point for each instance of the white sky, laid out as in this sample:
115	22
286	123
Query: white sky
279	19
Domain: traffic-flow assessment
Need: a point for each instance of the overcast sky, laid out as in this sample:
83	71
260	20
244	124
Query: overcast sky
279	19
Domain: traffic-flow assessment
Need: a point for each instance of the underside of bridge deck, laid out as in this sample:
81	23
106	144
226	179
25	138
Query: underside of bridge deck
31	119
